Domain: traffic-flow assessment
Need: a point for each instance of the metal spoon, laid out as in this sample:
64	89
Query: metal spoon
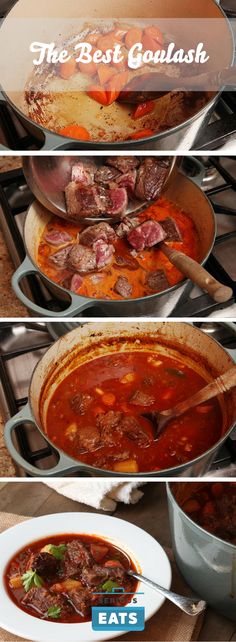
222	384
190	605
48	176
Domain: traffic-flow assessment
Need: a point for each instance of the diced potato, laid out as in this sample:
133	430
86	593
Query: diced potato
128	378
15	582
127	466
71	430
99	391
46	549
67	585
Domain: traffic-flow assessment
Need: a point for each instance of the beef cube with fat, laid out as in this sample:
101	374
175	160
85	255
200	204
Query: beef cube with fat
157	281
60	258
108	423
80	403
76	557
171	229
131	427
106	175
81	259
123	287
123	163
40	599
145	235
102	231
140	398
54	237
151	177
104	253
89	439
83	172
97	575
80	600
126	225
86	201
118	202
128	180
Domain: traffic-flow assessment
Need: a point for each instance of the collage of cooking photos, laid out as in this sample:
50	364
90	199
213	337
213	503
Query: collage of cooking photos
118	320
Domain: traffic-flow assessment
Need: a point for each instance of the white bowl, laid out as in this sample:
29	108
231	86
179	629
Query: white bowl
148	556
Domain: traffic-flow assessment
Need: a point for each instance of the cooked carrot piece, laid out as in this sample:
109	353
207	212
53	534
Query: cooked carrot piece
105	72
154	33
143	133
108	399
15	582
67	69
75	131
149	43
127	466
99	391
128	378
96	92
113	564
143	109
107	41
89	68
133	35
98	551
191	506
217	489
112	95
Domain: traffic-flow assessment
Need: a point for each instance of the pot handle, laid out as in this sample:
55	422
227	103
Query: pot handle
63	467
201	172
77	305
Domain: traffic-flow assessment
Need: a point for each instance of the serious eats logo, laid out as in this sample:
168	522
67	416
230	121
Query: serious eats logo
107	617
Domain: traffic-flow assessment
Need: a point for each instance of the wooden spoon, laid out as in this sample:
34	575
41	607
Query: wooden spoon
197	273
222	384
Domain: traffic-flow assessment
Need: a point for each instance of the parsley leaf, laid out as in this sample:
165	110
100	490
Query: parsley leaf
54	611
31	578
109	585
57	551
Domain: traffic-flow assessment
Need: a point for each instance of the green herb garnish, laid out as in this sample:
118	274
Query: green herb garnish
54	611
57	551
31	578
109	585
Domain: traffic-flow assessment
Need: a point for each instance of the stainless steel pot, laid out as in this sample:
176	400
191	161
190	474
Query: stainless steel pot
91	340
184	193
15	74
207	563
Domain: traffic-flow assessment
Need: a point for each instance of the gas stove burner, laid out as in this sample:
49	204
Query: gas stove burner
22	344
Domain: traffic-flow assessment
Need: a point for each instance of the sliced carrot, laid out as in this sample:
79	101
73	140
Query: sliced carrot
143	133
105	72
107	41
67	69
96	92
133	35
149	43
112	95
143	109
108	399
113	564
89	68
154	33
75	131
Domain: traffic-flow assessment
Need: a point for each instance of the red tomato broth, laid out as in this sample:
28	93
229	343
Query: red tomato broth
149	260
184	438
18	565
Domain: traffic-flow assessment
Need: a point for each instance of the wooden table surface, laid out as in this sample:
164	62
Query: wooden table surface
34	499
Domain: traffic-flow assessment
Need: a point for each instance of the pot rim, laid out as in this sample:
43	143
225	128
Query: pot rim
149	297
189	519
134	143
93	469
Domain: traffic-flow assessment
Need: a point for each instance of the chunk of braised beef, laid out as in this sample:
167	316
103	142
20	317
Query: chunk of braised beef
157	281
96	575
126	225
80	403
103	253
106	175
123	163
83	172
118	201
127	261
107	423
123	287
60	258
40	599
44	564
55	237
76	557
80	600
75	283
132	428
81	258
89	438
128	180
145	235
102	231
151	177
140	398
171	229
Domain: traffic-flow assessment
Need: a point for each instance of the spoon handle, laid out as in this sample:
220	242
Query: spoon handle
222	384
190	605
197	273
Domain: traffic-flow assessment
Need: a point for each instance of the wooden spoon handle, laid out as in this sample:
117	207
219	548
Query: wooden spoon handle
197	273
222	384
